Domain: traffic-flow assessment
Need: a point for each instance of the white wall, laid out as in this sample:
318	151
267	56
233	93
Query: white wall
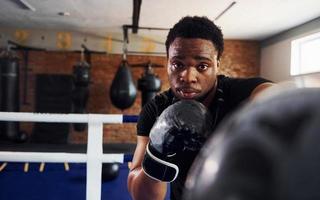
275	51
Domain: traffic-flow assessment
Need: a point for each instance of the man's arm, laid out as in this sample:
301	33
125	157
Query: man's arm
140	186
256	91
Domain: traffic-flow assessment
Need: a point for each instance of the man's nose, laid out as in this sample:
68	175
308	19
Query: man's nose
189	75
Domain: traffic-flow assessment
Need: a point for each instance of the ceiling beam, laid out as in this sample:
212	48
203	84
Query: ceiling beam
24	5
225	10
136	15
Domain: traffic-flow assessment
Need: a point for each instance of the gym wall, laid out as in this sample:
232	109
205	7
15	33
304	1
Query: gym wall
240	59
276	50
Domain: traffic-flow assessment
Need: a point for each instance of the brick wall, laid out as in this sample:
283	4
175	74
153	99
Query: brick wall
240	59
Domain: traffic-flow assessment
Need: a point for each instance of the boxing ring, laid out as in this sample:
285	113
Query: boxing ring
94	157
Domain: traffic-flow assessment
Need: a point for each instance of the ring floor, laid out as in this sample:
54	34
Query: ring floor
55	182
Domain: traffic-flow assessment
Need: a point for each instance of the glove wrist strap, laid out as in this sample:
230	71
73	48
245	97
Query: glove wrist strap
159	169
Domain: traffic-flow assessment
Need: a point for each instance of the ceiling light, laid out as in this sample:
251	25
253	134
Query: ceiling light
64	13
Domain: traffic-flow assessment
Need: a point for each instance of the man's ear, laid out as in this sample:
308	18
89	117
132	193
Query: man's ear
218	63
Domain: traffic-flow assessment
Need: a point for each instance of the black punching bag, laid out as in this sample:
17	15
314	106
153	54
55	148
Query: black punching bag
81	80
149	84
123	91
9	72
110	171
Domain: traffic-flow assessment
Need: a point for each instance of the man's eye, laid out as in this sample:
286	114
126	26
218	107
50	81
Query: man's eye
177	65
202	67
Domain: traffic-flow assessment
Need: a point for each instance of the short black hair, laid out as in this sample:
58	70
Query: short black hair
196	27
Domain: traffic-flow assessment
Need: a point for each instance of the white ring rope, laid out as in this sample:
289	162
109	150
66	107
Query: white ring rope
69	118
9	156
94	157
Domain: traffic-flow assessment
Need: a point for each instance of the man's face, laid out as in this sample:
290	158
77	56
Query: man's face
192	67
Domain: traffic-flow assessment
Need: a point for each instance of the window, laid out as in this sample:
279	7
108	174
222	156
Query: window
305	55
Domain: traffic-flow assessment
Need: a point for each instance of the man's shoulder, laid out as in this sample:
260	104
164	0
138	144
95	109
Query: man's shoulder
151	111
159	102
163	98
240	81
236	90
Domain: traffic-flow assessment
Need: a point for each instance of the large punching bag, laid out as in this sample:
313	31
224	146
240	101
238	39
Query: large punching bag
123	91
268	149
9	72
81	80
149	84
110	171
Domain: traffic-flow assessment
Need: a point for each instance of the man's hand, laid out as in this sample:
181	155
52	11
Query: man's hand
182	127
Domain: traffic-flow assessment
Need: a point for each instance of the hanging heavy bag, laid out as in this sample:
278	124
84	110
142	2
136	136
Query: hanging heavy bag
268	149
110	171
123	91
9	70
149	84
81	80
81	74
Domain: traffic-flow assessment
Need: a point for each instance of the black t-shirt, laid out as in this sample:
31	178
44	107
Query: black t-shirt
230	93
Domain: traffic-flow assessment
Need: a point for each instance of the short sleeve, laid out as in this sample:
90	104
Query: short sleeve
241	89
147	117
151	111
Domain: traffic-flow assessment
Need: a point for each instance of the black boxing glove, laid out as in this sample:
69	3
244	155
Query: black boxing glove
181	128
